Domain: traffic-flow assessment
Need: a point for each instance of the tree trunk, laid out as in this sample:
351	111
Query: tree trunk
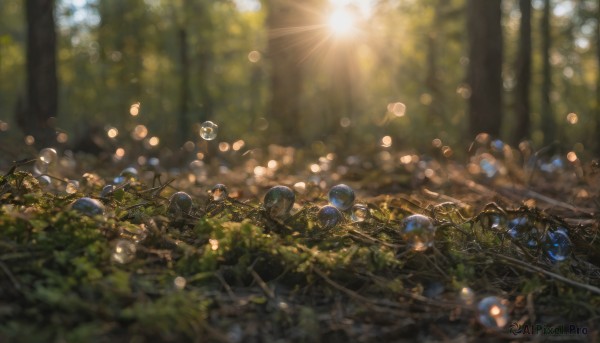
184	125
41	101
292	36
596	142
548	125
523	71
485	67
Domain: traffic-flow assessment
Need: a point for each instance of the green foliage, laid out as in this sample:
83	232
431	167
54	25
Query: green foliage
237	273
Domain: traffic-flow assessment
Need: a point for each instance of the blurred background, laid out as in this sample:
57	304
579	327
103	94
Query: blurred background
351	75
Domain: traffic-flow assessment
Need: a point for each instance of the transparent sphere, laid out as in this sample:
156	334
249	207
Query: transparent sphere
278	201
557	244
219	192
341	196
72	186
418	232
466	296
329	216
135	233
180	202
129	173
492	313
209	130
523	230
360	213
44	180
123	251
47	156
107	190
88	206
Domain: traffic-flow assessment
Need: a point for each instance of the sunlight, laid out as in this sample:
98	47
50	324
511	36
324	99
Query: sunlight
341	21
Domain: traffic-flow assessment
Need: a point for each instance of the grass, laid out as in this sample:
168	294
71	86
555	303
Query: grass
226	272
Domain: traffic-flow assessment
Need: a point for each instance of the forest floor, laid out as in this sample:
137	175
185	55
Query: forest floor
148	268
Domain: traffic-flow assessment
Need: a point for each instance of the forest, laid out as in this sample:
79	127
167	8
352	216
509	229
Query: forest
299	170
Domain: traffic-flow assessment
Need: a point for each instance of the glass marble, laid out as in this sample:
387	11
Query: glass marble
523	230
219	192
180	202
129	173
360	213
107	190
329	216
88	206
557	244
278	201
418	232
44	180
123	251
48	155
209	130
341	196
492	313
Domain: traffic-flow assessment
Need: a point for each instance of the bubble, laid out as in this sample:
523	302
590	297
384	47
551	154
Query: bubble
72	186
107	190
209	130
44	180
360	213
492	313
88	206
557	244
180	202
522	230
48	156
278	201
418	232
123	251
219	192
341	196
329	216
179	282
127	174
466	296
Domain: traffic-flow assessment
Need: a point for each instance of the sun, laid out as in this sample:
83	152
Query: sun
341	21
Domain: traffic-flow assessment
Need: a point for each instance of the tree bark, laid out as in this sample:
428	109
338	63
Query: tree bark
485	67
523	71
548	125
41	101
596	142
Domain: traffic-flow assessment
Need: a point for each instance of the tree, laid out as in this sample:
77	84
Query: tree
523	75
548	124
485	66
292	31
41	100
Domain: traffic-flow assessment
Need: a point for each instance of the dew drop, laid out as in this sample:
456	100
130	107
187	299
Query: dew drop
123	251
360	213
48	156
278	201
219	192
557	244
492	313
209	130
418	232
341	196
180	202
329	216
88	206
